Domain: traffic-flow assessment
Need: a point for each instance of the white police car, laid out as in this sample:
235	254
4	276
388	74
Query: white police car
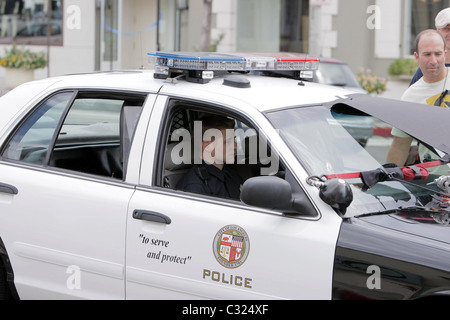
89	206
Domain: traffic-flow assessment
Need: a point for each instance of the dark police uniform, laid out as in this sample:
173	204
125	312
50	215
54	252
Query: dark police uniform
210	180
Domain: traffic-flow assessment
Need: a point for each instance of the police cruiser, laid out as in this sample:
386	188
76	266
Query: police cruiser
89	204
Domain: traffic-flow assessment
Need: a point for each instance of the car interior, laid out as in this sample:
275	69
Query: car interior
248	161
95	137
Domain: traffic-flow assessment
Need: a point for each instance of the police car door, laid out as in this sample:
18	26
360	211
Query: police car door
62	221
184	246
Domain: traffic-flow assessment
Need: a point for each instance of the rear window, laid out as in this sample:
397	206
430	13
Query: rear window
85	132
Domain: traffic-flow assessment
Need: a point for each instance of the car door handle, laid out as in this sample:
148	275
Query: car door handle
151	216
8	189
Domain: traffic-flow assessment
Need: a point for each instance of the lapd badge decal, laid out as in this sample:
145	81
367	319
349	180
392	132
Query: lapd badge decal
231	246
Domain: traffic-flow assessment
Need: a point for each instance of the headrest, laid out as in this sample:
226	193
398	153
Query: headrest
171	161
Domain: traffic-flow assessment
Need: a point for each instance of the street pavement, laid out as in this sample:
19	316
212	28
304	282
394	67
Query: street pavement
395	89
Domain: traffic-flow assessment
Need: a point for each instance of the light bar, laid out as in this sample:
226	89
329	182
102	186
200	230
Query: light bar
167	63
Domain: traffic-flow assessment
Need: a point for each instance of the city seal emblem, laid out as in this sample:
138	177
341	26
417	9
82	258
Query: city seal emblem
231	246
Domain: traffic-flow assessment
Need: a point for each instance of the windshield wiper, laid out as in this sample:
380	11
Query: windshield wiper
396	210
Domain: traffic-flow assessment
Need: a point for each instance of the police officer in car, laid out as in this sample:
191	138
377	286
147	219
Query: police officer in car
214	176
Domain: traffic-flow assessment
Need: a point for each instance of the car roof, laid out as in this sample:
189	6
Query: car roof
264	92
129	80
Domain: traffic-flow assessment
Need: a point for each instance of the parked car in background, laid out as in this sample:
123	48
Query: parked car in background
331	72
336	73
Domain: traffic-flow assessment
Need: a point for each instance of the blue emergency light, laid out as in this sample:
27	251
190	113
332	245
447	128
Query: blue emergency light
200	66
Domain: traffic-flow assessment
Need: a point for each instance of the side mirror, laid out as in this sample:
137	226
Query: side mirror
274	193
267	192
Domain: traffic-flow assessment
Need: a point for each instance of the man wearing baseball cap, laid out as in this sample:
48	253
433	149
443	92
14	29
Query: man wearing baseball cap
442	23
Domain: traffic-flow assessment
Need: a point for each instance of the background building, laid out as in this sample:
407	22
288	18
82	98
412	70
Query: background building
91	35
372	34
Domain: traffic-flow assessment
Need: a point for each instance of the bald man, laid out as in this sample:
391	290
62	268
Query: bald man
431	89
442	23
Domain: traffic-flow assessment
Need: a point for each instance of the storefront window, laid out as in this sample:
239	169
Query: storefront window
423	14
36	22
294	25
258	28
111	30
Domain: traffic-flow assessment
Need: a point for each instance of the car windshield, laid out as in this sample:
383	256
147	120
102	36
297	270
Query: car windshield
329	142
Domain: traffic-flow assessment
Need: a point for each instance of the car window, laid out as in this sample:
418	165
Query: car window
252	156
86	132
32	140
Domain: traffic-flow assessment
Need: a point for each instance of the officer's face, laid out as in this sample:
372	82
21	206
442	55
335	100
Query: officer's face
221	148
